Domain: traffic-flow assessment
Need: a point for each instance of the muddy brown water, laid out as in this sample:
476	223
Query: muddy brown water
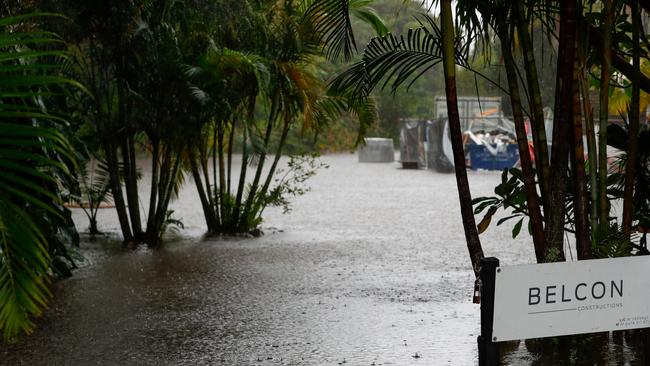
370	268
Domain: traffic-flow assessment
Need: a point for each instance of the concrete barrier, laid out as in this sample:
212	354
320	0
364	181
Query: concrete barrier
377	150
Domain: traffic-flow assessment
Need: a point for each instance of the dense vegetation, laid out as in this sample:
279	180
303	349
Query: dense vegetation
185	83
37	165
566	192
571	189
219	90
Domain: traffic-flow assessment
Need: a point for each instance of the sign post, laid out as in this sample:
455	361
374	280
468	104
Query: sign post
488	350
565	298
562	298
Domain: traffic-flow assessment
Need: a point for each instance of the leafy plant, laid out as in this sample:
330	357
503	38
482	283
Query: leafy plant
35	161
171	224
290	182
253	98
94	189
510	195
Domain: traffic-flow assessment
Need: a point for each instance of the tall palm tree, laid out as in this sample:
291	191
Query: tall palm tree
400	60
464	196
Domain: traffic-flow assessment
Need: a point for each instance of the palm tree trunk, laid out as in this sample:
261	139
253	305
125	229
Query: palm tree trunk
165	197
464	194
562	122
222	172
208	213
276	159
214	168
242	179
231	138
204	156
580	197
605	75
131	185
537	120
591	147
153	230
273	116
130	179
116	189
134	182
153	195
532	200
633	125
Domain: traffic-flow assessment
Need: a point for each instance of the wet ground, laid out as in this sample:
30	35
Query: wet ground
370	268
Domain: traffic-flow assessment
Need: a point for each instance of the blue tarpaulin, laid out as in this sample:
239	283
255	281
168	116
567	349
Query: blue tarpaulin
481	157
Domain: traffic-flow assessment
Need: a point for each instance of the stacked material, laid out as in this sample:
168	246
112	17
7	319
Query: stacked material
377	150
411	142
440	156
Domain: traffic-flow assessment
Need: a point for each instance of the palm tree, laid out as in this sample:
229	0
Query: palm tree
280	80
465	198
555	195
400	60
36	160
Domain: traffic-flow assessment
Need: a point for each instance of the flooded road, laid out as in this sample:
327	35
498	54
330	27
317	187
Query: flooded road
370	268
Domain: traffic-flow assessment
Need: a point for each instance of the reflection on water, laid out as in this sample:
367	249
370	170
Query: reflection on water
370	268
618	348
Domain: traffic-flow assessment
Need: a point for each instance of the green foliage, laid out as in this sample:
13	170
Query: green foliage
94	188
260	99
609	241
510	196
290	181
35	161
618	137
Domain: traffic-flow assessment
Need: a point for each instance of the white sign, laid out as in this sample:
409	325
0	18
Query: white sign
552	299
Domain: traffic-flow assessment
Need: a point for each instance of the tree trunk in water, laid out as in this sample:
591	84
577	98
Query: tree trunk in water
231	138
278	154
165	171
116	189
131	185
222	173
208	213
537	121
166	186
93	230
250	199
532	200
464	195
204	156
605	74
216	200
129	175
562	122
244	165
134	183
633	125
153	196
580	197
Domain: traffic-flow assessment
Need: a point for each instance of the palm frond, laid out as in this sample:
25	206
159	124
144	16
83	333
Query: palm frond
33	157
24	264
331	22
397	60
359	10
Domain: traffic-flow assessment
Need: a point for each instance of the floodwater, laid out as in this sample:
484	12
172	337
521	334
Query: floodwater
370	268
